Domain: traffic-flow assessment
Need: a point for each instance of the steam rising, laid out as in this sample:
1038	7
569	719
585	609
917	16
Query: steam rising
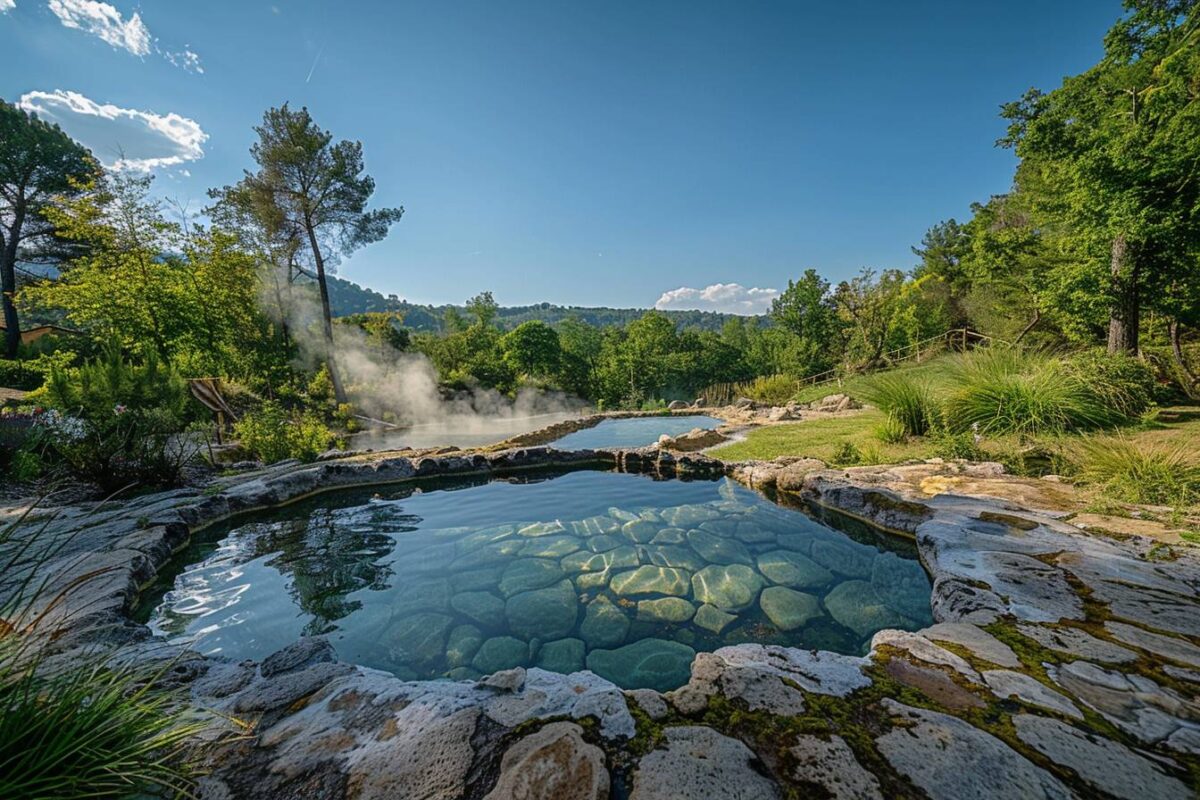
404	387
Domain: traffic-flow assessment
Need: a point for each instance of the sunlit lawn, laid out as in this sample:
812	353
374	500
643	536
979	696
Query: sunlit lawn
822	439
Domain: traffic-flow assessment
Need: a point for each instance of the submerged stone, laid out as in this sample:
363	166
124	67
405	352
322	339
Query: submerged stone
651	580
617	558
501	652
562	655
482	607
670	555
855	605
603	542
844	558
902	584
665	609
688	516
526	574
788	609
712	618
670	536
604	625
639	531
595	526
717	549
656	664
550	547
730	588
542	529
462	645
547	613
793	569
416	638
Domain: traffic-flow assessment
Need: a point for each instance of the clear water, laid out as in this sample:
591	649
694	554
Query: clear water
458	431
633	432
587	569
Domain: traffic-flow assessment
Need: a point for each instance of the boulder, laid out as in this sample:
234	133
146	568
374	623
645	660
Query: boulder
793	569
732	587
562	655
665	609
555	763
604	625
656	664
788	609
698	762
545	613
651	580
712	618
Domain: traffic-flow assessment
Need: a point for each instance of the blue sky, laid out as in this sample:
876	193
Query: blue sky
587	153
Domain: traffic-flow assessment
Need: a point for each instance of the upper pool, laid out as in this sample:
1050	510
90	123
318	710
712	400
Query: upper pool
617	573
632	431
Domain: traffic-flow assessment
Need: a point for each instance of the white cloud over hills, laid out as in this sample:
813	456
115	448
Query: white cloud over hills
122	138
7	5
106	22
728	298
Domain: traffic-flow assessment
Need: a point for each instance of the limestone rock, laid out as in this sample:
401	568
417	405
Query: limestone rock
922	649
579	695
730	588
830	763
1005	683
650	702
981	643
656	664
1104	764
1077	643
788	609
302	653
950	760
1169	647
699	763
550	547
555	763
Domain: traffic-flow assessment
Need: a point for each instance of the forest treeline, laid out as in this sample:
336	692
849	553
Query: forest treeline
1097	244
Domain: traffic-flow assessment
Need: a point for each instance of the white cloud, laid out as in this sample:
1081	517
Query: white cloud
186	60
105	21
122	138
728	298
7	5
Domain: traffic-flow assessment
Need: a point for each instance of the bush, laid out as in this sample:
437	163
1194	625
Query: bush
1124	383
907	401
19	375
955	446
774	389
1010	392
1137	472
890	431
273	434
847	454
117	421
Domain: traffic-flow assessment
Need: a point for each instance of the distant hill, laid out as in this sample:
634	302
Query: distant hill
347	297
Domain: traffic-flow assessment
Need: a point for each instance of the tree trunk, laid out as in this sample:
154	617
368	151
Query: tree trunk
1037	317
339	391
1180	361
8	283
1123	316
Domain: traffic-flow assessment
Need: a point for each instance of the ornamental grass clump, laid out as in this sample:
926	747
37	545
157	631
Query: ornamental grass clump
1155	473
908	402
1006	391
77	728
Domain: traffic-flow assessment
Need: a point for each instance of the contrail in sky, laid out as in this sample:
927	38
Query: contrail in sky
313	68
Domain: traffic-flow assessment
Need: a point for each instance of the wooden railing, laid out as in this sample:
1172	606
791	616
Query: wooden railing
956	340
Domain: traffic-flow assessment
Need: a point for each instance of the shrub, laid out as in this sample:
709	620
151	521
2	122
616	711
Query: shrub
774	389
890	431
955	446
906	400
1138	472
1009	392
273	434
847	454
1124	383
19	375
118	420
86	729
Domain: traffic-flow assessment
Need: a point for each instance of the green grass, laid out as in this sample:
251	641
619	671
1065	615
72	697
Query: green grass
907	401
1150	472
823	439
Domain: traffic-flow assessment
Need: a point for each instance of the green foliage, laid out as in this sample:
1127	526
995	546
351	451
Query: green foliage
891	431
532	348
1007	391
847	454
83	729
1138	472
907	401
773	389
955	446
20	375
1125	383
119	420
273	434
